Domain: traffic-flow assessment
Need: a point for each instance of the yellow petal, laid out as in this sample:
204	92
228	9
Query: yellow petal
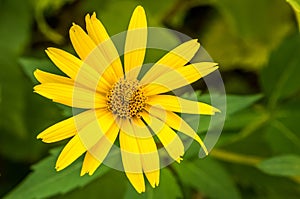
130	151
82	43
71	95
176	122
79	71
180	77
100	150
98	139
180	105
148	151
70	153
136	42
137	181
89	165
92	55
94	131
66	128
146	148
131	160
45	77
166	135
95	29
98	33
176	58
66	62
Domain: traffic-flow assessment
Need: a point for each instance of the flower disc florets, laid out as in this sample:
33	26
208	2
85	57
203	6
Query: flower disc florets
126	99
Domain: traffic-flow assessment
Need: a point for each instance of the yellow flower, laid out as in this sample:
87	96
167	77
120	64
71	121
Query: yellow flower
118	105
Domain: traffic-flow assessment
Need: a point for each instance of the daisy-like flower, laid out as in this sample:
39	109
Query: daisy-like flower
117	105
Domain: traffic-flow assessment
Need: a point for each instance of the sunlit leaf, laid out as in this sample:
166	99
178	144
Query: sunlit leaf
286	165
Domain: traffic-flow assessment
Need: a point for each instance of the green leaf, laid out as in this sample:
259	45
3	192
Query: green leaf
29	65
168	188
113	184
208	177
237	103
234	104
286	165
44	181
280	78
296	7
241	119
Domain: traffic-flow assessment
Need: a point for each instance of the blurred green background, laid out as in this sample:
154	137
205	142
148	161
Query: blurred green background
257	44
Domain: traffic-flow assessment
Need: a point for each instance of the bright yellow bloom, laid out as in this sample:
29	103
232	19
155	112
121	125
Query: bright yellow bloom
118	105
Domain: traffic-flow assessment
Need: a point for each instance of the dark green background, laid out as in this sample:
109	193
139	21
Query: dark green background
256	43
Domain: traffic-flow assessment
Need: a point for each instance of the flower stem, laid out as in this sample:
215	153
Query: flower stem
235	157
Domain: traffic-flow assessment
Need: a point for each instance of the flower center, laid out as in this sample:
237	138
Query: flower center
126	99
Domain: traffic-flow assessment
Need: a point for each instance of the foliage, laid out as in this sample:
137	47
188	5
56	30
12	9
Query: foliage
257	44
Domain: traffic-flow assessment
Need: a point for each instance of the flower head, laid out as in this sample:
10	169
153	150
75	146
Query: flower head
119	105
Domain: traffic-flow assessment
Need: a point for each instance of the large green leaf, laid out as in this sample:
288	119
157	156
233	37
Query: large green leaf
233	104
286	165
208	177
168	188
44	181
113	184
280	78
237	103
29	65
